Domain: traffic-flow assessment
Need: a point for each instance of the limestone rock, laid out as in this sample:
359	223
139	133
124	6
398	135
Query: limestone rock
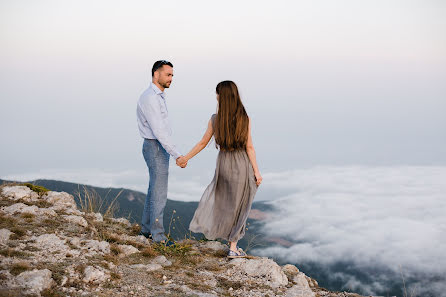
295	291
312	282
20	208
94	246
300	280
123	221
153	267
75	241
76	220
4	236
35	280
20	192
97	217
147	267
23	208
162	260
60	199
95	275
290	269
127	249
46	212
68	211
51	242
215	246
301	288
263	269
138	266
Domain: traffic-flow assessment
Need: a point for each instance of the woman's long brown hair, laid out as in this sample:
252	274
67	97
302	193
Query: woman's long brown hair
231	126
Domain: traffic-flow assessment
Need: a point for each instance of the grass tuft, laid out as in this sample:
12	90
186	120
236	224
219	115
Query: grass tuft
18	232
149	252
8	252
18	268
91	202
226	284
38	189
135	229
52	292
7	221
115	249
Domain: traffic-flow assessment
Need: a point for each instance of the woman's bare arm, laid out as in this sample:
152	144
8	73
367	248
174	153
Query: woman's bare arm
252	156
202	143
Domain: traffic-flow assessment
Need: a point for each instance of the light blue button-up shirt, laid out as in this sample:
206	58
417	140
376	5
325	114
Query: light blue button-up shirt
153	121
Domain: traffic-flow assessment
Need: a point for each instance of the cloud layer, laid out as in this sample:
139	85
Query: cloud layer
378	219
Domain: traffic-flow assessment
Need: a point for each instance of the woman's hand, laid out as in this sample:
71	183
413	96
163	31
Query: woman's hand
258	178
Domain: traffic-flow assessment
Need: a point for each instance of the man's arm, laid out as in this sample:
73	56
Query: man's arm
152	112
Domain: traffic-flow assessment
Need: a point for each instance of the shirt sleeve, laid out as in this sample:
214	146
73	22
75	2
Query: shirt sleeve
152	112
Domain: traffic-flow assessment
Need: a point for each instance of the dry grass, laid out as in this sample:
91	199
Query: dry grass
91	202
111	258
212	266
5	202
18	232
11	292
39	203
135	229
57	270
51	225
109	237
52	292
80	268
18	268
191	260
198	285
149	252
220	254
29	217
136	244
7	221
8	252
115	249
226	284
115	276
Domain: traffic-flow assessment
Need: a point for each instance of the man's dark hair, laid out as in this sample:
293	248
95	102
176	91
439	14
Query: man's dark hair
158	64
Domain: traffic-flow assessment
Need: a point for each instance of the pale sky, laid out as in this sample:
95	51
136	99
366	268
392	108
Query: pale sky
325	82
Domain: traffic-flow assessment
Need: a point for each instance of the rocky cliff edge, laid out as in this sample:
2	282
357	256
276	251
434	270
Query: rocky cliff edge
48	247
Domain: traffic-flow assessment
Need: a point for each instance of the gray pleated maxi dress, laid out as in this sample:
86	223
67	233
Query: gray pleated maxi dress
226	202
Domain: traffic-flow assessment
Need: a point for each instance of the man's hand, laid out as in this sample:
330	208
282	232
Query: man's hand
182	162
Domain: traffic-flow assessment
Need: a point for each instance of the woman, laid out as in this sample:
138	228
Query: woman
226	202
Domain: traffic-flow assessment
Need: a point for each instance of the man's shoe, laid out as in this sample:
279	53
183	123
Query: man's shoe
146	235
167	243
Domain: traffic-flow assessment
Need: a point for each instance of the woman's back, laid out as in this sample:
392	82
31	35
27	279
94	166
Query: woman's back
231	121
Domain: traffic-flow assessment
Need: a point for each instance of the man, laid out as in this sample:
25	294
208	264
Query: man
154	127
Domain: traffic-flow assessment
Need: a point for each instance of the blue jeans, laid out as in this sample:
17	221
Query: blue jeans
157	160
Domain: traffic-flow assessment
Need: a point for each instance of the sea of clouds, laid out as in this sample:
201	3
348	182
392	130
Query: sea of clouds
388	223
384	223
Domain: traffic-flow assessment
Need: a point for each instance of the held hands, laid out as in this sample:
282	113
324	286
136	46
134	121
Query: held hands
182	161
